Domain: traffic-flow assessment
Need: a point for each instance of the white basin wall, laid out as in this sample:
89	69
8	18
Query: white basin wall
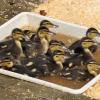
27	18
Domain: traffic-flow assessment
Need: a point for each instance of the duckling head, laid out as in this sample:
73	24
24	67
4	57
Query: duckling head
55	42
92	33
6	63
17	34
45	36
57	45
59	58
28	33
48	24
93	68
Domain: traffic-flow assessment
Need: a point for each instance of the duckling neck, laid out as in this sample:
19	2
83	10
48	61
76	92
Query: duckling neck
88	52
18	43
45	45
60	65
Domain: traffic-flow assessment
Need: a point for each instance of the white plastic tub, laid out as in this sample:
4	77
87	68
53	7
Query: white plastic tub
27	18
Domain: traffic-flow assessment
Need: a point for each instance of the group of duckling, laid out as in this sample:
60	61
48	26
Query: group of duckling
36	54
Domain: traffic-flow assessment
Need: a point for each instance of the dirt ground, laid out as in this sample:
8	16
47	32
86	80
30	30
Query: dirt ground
14	89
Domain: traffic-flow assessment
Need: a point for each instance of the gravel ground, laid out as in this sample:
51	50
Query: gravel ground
14	89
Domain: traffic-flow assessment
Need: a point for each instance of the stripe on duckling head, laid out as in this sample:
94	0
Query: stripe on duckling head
17	30
43	28
86	40
55	42
44	22
92	30
58	52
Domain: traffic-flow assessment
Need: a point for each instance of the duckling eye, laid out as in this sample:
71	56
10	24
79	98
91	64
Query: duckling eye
56	56
90	65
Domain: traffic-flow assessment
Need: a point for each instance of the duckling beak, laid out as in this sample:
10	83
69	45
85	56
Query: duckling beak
97	40
26	38
51	33
55	26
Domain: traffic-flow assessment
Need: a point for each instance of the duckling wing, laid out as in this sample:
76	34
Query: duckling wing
76	47
93	48
22	70
73	61
32	49
77	74
39	65
6	45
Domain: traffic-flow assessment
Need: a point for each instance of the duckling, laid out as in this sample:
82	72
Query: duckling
13	46
43	38
39	44
84	54
40	65
90	34
93	67
9	64
48	24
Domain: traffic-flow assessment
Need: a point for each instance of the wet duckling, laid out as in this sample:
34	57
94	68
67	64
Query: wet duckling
91	34
93	68
48	24
8	64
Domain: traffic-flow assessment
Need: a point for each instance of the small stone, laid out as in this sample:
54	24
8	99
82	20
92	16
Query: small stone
43	12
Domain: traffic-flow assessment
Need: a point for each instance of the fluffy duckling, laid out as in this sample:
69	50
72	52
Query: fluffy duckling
39	44
85	45
91	34
10	65
13	46
43	37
